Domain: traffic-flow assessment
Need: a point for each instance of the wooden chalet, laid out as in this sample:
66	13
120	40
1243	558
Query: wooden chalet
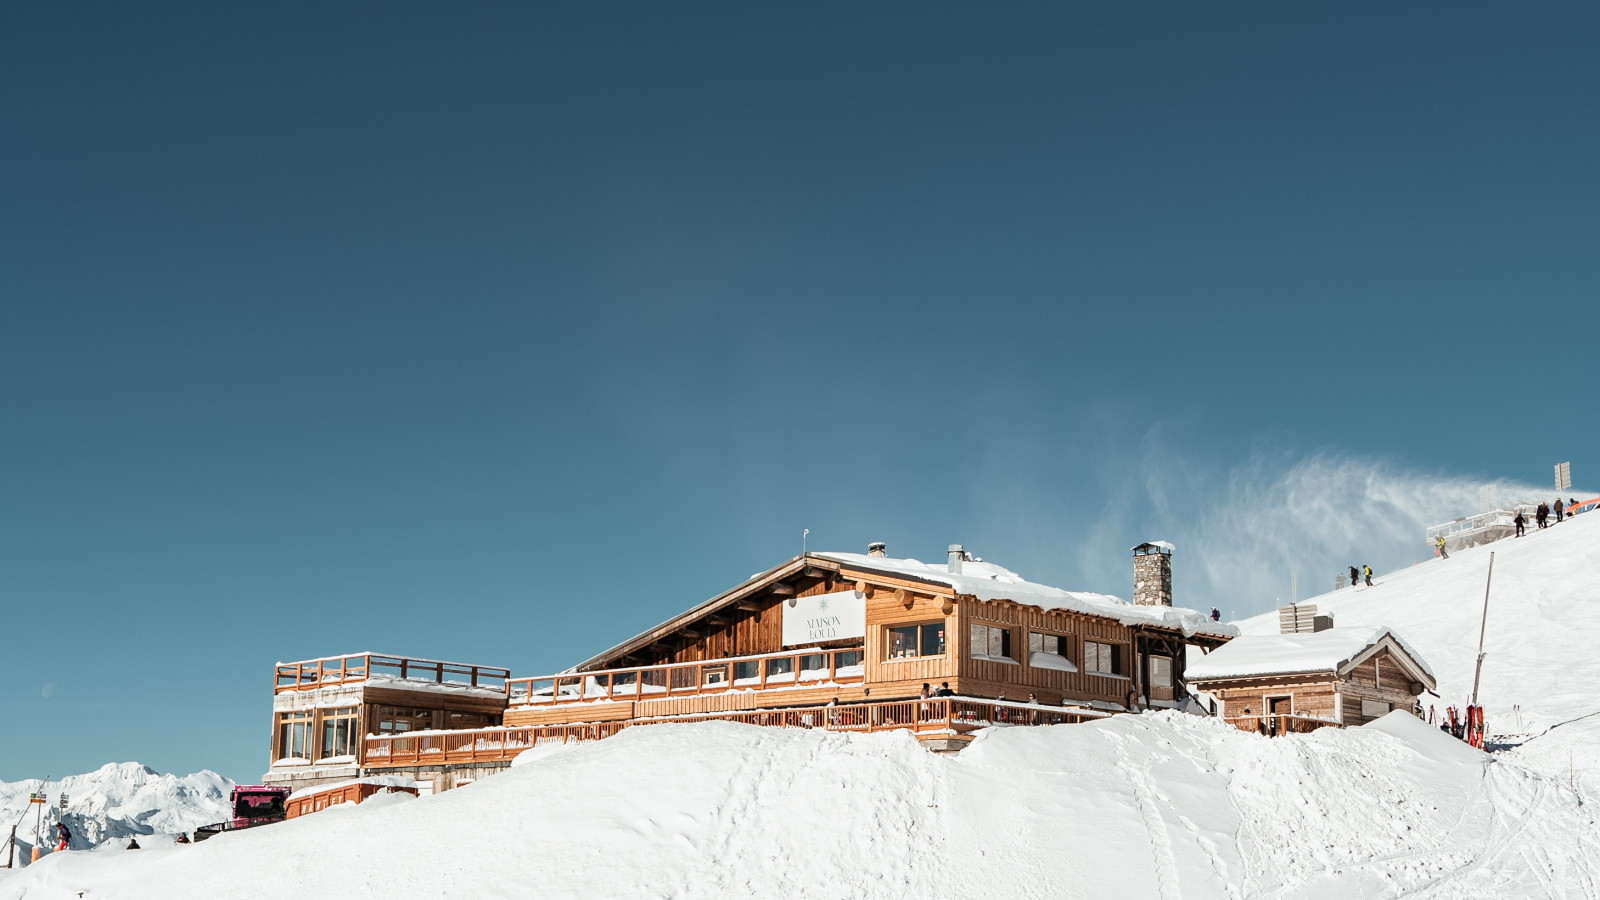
846	629
1301	681
839	641
323	711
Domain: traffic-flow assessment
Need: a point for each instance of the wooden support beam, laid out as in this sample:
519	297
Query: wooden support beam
905	598
783	590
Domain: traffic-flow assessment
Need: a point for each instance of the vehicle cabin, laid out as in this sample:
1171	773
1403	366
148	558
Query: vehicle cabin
323	708
848	628
1280	683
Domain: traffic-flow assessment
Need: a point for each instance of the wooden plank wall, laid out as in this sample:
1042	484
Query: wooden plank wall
991	678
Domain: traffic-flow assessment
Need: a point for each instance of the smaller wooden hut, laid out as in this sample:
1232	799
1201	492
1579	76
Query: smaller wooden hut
1278	683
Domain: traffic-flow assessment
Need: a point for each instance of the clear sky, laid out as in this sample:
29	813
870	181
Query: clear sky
500	333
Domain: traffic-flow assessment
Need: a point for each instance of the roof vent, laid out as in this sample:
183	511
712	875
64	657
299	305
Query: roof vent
877	548
956	556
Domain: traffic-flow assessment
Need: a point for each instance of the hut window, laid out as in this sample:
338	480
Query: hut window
991	642
1048	643
1105	659
747	672
294	735
339	732
468	720
1161	671
398	719
1372	709
909	641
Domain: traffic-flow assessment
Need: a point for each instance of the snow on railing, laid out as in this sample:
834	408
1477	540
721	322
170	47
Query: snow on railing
758	672
332	671
941	716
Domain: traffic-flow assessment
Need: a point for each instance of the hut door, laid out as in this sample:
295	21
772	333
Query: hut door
1278	707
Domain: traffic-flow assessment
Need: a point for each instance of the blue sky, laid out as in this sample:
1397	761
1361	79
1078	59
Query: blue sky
499	333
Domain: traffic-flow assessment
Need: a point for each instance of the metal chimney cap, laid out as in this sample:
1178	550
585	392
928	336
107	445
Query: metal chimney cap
877	548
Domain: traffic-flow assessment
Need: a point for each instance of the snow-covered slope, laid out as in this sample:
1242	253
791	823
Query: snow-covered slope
1543	628
1160	806
116	801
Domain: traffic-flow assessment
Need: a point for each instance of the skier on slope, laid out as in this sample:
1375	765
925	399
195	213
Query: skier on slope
1355	577
63	836
1367	571
1521	523
1439	542
1216	614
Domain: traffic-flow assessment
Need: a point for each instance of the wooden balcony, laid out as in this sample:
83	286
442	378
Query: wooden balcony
1275	725
766	671
333	671
930	718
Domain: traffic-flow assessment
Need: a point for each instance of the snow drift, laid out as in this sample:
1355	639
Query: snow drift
1160	805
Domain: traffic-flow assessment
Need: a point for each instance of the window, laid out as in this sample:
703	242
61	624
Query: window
713	675
991	642
400	719
1102	659
909	641
468	720
339	732
1372	709
747	672
294	735
847	664
1049	651
1161	671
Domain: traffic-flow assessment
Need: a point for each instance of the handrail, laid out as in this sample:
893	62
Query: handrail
756	672
951	716
1269	723
337	670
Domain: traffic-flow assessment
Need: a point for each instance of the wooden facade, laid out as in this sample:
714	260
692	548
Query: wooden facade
323	709
681	667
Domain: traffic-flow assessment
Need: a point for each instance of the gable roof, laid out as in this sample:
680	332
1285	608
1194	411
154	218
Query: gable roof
987	581
983	580
1335	651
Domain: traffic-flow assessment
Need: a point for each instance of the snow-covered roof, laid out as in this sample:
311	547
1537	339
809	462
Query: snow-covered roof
1258	655
987	581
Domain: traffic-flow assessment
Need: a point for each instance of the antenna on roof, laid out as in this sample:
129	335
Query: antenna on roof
803	541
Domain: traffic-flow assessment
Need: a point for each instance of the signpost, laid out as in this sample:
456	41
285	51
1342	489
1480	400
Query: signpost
1563	476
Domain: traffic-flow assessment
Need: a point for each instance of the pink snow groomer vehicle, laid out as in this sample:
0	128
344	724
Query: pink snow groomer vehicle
252	805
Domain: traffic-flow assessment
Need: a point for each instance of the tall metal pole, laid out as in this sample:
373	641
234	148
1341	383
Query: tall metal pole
1481	628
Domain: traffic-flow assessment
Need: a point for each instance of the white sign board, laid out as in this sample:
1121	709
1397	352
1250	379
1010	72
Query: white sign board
825	617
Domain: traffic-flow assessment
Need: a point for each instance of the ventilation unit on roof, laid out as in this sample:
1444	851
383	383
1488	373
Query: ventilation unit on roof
956	556
877	548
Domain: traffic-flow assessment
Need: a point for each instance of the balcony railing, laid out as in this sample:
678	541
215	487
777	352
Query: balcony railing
332	671
769	670
947	716
1274	725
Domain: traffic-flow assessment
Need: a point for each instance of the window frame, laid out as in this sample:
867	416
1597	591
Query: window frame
1006	642
940	627
1119	655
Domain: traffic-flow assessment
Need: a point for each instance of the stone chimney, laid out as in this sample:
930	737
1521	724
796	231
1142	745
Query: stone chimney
1152	574
877	548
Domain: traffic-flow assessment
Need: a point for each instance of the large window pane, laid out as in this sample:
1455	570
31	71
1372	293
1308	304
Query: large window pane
903	642
933	640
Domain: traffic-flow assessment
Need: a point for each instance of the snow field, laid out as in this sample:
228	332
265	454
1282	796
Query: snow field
1159	805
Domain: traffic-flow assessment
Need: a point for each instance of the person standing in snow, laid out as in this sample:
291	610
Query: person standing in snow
1216	614
1367	571
1541	514
1439	542
63	835
133	843
1558	509
944	690
1521	523
1355	577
